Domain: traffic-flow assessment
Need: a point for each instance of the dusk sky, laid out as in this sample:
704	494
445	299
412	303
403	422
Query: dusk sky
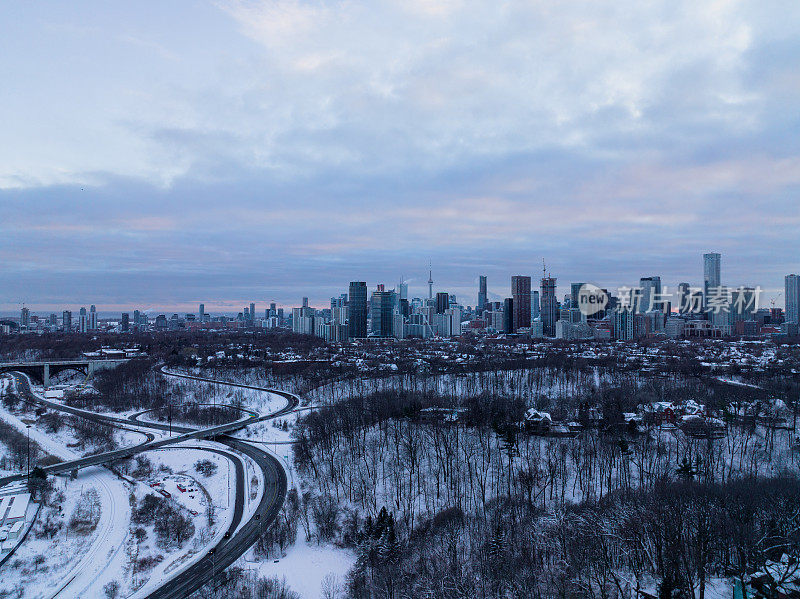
160	154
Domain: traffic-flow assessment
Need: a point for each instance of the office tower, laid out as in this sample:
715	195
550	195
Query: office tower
357	310
52	320
402	290
382	311
405	308
125	322
305	302
442	302
535	309
246	314
508	315
624	325
25	318
743	306
575	289
521	294
161	322
66	320
83	321
202	312
683	297
252	312
92	317
792	292
482	296
137	319
711	274
273	310
339	302
549	307
650	296
451	322
303	320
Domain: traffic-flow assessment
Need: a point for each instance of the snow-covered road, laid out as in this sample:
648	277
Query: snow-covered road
105	556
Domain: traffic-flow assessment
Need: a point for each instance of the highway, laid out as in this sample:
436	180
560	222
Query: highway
126	452
235	542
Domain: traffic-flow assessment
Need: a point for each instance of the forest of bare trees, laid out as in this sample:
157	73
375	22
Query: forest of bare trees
485	493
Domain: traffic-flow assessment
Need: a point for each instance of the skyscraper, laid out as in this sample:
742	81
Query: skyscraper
252	312
575	289
549	308
683	298
402	290
743	306
83	321
125	324
382	312
535	310
357	310
521	294
649	299
482	298
442	302
305	302
202	312
792	292
508	315
25	318
711	274
92	318
624	324
66	320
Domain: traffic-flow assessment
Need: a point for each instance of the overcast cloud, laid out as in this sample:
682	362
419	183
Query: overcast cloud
162	154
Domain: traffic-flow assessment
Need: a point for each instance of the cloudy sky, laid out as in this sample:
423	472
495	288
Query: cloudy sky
158	154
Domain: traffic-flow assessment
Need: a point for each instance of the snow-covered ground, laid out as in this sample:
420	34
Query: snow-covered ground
175	466
75	564
262	402
306	565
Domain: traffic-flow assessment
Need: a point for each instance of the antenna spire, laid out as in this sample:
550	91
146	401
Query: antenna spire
430	279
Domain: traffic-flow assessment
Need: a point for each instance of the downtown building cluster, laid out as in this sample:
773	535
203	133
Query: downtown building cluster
647	310
710	309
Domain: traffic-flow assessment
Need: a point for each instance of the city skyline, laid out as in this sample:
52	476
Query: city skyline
466	295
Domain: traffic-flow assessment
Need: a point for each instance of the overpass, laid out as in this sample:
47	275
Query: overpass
242	533
42	370
185	433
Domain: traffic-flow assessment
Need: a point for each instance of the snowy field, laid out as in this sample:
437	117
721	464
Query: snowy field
306	566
